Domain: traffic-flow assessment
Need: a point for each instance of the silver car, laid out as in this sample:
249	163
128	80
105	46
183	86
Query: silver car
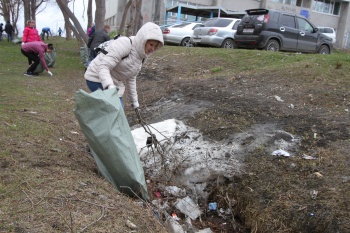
328	31
217	32
180	34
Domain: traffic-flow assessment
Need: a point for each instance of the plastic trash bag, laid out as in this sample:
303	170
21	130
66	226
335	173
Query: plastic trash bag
84	55
50	59
104	124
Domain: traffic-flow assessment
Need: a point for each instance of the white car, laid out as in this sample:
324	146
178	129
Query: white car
328	31
217	32
180	34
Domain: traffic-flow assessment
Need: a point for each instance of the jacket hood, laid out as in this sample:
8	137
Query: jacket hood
149	31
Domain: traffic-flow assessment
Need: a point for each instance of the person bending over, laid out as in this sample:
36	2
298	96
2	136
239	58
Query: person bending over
35	52
122	60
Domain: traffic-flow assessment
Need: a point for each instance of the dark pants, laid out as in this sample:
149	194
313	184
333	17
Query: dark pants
31	57
93	86
9	37
47	35
92	54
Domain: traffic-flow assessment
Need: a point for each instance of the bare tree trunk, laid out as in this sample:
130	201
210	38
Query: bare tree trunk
129	27
32	9
100	14
5	9
138	16
67	28
122	23
26	8
76	28
89	14
15	14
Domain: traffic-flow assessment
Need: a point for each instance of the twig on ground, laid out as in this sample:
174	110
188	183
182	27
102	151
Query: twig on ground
28	198
103	206
102	215
63	218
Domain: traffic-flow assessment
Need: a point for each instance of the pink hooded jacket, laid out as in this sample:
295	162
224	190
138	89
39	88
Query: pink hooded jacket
30	35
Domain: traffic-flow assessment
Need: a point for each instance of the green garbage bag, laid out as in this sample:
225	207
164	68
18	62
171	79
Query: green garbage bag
104	125
50	59
84	55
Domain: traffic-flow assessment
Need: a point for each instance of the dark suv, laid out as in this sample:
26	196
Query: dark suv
274	30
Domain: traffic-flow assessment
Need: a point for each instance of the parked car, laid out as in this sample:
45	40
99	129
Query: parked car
328	31
180	34
217	32
167	25
274	30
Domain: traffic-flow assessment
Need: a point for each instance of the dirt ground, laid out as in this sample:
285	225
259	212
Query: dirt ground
275	193
65	192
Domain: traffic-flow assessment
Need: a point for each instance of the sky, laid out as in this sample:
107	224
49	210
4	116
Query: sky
52	17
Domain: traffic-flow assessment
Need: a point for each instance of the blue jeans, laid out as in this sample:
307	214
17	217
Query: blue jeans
93	86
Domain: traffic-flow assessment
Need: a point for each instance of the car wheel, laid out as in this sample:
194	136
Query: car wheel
324	50
228	44
272	45
186	42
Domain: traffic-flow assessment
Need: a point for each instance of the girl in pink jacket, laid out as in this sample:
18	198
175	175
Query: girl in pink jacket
30	33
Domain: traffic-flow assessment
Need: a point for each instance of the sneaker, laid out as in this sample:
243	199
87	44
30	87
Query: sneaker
28	74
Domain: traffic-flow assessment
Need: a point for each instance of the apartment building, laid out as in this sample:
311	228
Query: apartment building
328	13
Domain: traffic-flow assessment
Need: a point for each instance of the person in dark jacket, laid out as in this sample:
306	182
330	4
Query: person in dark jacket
1	30
9	31
96	39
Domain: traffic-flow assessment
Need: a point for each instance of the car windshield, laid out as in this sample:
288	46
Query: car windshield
325	30
218	23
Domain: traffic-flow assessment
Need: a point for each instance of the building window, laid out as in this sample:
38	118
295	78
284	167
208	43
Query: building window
290	2
326	7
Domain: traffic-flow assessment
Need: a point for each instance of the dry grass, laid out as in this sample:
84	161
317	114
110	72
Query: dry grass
49	183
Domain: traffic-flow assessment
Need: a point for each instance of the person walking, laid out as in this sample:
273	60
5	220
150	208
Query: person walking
1	30
47	31
35	51
96	39
121	62
9	31
59	31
